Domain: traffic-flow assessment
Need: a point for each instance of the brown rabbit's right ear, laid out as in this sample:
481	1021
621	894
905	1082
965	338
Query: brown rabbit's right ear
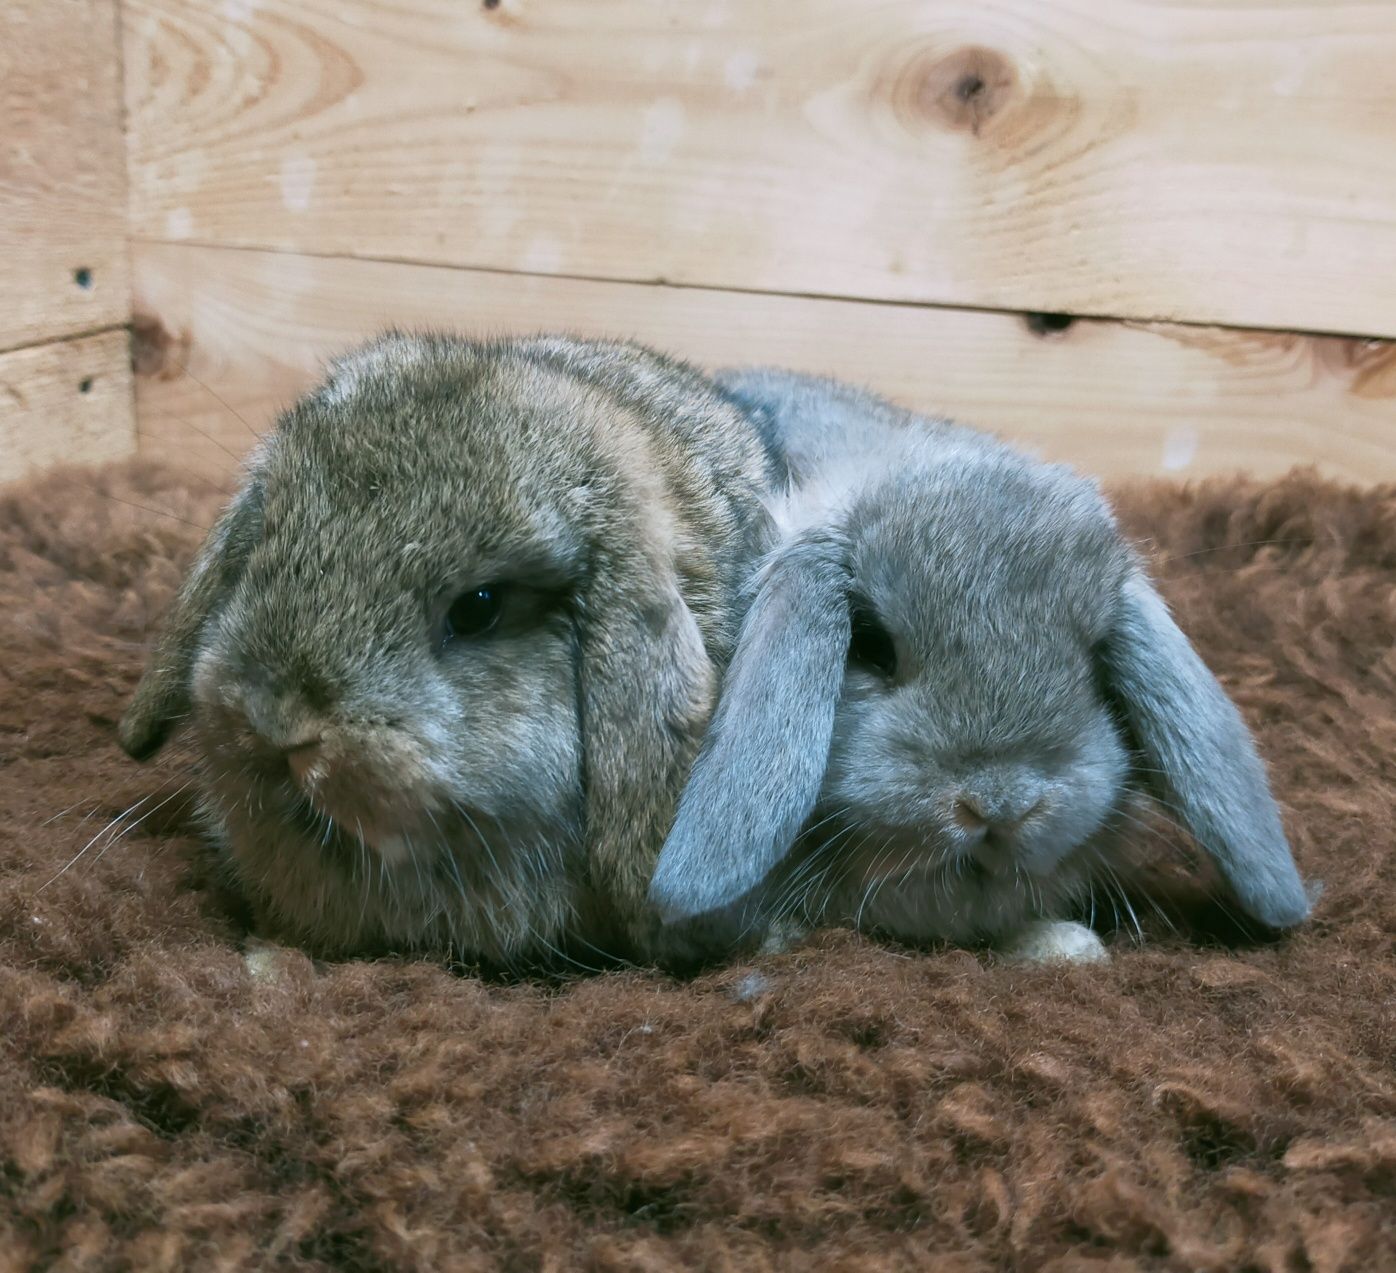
758	776
162	696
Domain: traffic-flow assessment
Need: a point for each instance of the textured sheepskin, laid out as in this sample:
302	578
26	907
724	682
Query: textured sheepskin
1204	1101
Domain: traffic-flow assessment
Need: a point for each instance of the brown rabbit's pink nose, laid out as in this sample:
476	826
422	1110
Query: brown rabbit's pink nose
304	759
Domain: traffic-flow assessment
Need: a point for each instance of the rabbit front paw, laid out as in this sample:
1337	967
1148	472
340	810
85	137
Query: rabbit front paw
1054	941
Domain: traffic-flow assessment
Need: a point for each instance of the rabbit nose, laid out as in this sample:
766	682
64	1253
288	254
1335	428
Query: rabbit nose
976	814
282	724
968	816
304	759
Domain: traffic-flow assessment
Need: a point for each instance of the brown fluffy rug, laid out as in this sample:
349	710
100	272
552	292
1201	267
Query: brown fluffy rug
1204	1102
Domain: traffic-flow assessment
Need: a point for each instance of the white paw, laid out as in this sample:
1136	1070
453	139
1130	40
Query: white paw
1056	941
265	961
752	986
781	936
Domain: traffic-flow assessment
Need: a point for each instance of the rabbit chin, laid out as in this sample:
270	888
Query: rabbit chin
935	902
469	885
928	884
390	823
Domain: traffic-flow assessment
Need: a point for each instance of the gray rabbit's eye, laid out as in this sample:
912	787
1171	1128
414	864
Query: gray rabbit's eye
475	612
872	645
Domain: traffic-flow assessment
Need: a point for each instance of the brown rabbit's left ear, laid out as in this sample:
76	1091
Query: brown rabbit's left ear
646	688
161	699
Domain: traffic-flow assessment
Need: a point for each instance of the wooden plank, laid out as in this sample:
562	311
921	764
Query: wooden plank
254	328
62	171
1230	162
66	403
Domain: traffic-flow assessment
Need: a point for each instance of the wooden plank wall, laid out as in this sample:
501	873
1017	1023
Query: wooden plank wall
882	190
65	380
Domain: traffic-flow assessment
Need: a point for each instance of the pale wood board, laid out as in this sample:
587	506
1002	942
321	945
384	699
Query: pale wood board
62	171
1118	399
1230	162
66	403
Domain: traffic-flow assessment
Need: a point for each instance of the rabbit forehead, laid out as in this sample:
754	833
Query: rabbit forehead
478	469
993	549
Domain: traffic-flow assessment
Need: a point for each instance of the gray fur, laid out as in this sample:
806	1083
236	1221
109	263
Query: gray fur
764	756
1210	774
1021	620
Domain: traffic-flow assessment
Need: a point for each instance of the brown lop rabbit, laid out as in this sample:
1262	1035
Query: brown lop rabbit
448	654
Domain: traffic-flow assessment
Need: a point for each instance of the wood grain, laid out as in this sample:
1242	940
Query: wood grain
62	171
66	403
253	330
1230	162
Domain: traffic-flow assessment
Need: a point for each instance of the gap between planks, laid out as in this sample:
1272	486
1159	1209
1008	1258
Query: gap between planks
253	329
680	285
66	339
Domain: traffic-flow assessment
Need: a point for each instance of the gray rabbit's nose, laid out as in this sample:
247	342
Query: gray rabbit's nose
976	812
968	816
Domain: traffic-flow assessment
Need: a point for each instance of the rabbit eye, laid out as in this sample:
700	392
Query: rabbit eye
872	645
475	612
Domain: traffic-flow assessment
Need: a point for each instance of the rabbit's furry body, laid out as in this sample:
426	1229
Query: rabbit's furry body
968	683
378	779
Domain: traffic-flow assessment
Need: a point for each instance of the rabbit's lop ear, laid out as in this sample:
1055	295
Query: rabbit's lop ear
758	775
161	699
1194	739
646	686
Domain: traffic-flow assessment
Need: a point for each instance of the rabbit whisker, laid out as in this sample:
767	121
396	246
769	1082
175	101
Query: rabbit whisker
828	818
447	858
61	813
145	508
1119	890
223	402
109	827
565	958
872	884
1176	817
900	870
803	900
815	864
1249	543
454	875
364	868
533	865
498	878
131	826
188	423
816	867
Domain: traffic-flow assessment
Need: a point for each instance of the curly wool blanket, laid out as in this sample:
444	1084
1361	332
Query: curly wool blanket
1206	1101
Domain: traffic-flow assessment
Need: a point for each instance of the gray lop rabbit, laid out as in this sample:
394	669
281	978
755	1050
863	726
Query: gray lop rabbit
448	654
952	682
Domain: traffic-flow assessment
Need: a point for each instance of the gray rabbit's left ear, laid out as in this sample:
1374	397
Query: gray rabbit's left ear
1201	752
758	776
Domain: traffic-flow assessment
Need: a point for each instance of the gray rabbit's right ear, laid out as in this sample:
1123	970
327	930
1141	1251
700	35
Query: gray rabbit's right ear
1200	753
161	699
757	777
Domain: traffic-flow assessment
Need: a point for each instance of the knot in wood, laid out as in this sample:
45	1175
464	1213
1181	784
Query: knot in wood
965	89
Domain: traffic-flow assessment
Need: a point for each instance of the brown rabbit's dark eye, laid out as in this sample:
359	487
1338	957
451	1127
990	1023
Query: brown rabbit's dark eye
872	646
475	612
